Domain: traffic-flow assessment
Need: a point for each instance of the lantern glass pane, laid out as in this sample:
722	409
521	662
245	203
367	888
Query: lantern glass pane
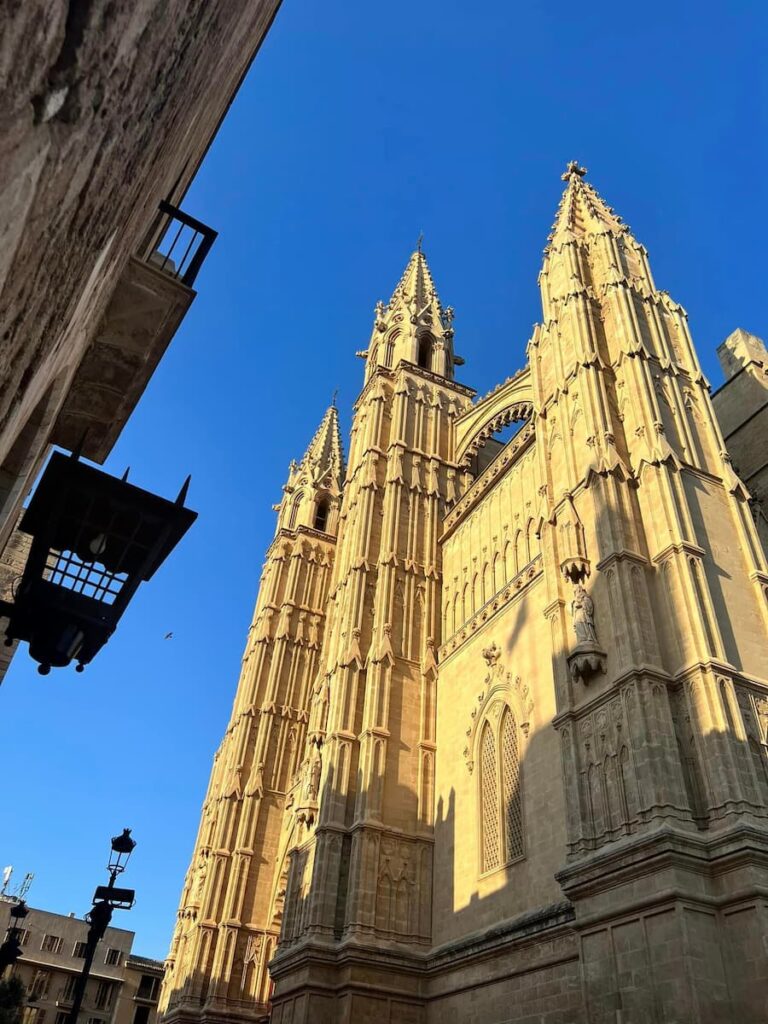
91	579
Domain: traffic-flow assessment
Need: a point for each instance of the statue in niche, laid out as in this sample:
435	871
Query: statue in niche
202	871
313	778
321	695
583	613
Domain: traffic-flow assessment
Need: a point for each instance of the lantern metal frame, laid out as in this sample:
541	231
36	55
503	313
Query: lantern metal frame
95	538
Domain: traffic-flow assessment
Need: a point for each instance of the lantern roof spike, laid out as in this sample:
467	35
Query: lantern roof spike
124	477
182	495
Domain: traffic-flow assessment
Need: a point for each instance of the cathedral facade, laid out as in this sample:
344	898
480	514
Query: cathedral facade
498	748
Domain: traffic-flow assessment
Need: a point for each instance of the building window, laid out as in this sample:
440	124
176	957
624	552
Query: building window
96	1020
52	944
103	999
40	982
141	1016
321	514
148	987
501	800
69	988
22	935
62	1017
489	788
425	351
80	950
112	958
33	1015
511	802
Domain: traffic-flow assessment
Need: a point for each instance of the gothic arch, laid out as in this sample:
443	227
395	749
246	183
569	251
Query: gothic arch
501	689
294	513
501	839
510	402
389	348
424	351
321	511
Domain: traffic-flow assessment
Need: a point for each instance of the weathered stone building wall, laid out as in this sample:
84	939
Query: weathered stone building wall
108	108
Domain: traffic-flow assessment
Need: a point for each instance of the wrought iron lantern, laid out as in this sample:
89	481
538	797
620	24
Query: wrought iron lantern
10	951
94	540
120	853
106	898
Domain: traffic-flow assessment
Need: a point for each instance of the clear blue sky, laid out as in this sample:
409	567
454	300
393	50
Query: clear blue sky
359	126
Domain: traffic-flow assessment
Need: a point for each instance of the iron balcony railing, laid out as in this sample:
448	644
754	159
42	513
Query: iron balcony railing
183	244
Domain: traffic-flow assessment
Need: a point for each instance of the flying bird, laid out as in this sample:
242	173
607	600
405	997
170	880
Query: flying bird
168	636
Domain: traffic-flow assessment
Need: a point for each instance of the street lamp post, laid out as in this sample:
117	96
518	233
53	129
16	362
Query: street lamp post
10	951
105	899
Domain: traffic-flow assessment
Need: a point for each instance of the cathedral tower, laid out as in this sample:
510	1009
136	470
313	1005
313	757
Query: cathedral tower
231	904
498	751
361	873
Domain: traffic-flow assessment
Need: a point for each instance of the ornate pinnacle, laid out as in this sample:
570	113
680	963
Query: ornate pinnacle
573	171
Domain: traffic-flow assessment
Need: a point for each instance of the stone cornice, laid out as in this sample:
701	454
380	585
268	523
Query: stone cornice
391	375
301	531
647	853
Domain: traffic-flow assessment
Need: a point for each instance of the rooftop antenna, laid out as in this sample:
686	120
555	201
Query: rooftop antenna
7	872
23	889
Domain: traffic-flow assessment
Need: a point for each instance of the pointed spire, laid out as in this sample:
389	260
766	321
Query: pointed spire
325	454
415	284
582	211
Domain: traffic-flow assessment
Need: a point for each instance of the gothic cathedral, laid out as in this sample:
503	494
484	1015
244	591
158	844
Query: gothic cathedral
498	748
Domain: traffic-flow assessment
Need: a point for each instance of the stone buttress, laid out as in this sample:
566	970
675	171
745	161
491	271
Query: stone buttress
231	905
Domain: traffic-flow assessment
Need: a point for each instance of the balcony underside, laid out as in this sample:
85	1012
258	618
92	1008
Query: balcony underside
142	317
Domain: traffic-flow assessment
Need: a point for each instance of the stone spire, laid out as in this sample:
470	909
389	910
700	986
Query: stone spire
312	493
324	456
415	285
413	326
582	211
590	250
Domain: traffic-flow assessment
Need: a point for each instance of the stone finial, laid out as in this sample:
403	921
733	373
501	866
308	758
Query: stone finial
492	654
573	171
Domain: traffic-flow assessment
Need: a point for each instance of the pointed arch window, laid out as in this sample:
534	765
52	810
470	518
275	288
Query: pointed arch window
294	514
321	513
511	804
489	797
389	349
424	357
502	838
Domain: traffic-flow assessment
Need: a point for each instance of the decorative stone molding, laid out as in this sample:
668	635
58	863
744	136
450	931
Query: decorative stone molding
510	401
526	575
506	458
585	661
500	688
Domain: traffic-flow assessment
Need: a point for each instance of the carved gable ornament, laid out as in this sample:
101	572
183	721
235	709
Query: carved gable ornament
499	688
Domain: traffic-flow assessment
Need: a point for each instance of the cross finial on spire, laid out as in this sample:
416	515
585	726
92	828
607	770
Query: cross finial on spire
573	171
333	398
419	241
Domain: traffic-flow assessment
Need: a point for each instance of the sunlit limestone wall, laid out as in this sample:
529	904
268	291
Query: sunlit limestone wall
630	663
496	663
656	692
